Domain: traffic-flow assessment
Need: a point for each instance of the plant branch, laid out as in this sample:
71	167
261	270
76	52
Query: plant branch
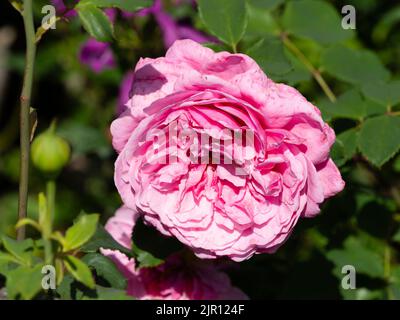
25	98
316	74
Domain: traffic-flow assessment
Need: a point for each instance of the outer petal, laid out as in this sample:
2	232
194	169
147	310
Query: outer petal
331	180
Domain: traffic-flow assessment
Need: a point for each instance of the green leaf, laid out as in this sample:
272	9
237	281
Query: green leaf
82	230
130	5
106	268
345	146
102	239
226	19
70	289
349	105
373	109
265	4
21	250
350	65
299	72
260	23
24	281
6	260
269	54
95	22
126	5
145	259
79	270
103	293
386	94
85	139
366	260
64	289
379	139
316	20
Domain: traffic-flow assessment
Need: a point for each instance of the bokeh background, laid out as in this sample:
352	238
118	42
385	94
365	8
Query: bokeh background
78	82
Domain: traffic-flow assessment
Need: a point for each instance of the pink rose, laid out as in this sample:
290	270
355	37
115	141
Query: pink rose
177	279
247	202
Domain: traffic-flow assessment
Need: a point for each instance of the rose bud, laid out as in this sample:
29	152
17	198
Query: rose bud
49	152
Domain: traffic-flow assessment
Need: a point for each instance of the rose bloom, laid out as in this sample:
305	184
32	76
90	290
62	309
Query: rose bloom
178	278
250	201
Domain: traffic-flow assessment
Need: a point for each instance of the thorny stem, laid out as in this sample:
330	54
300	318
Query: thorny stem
25	98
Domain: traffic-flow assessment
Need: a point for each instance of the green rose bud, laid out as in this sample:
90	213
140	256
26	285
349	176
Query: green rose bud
49	152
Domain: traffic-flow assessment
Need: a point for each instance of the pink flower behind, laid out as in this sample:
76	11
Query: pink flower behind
251	200
176	279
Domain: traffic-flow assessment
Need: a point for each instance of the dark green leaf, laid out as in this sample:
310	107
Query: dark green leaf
144	258
226	19
126	5
366	260
265	4
95	22
345	146
386	94
379	138
260	23
269	54
349	105
316	20
103	293
106	268
350	65
102	239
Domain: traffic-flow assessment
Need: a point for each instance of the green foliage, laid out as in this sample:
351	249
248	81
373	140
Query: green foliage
365	259
379	139
131	5
386	94
226	19
345	146
105	268
269	53
102	239
145	259
95	22
80	271
349	65
24	281
82	230
305	18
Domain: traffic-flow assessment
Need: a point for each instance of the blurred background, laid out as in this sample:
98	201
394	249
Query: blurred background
83	83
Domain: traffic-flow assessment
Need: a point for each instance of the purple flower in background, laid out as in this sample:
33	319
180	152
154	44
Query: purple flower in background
62	9
171	29
97	55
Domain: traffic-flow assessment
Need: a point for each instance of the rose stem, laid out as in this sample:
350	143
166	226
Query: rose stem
25	98
316	74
